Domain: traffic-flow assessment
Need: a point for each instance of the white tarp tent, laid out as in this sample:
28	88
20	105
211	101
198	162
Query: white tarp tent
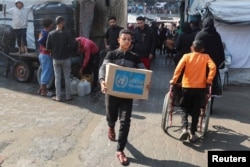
232	21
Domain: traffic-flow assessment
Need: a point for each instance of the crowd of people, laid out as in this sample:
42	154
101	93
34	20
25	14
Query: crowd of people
193	49
171	8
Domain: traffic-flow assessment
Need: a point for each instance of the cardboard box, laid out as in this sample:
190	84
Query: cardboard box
127	82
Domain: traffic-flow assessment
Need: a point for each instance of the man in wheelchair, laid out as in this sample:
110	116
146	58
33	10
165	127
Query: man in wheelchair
194	83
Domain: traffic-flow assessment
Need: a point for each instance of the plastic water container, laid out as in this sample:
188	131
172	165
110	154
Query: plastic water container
83	88
88	87
73	85
87	77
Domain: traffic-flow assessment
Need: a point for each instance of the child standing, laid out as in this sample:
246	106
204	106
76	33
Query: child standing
194	83
20	22
45	58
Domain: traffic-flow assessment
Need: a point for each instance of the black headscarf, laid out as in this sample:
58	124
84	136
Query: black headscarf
214	47
208	25
183	42
212	41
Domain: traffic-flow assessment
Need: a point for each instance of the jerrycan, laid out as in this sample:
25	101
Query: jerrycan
73	85
83	88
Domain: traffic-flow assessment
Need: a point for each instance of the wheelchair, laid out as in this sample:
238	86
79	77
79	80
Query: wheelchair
171	112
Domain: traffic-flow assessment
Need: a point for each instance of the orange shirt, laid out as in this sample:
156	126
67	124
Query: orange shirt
195	65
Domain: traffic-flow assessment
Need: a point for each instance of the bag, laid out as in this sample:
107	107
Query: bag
217	86
228	58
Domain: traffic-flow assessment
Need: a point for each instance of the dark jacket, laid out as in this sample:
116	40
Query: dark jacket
144	41
59	43
125	59
183	42
214	47
212	41
112	35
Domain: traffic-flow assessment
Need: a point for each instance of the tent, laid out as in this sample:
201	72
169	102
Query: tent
232	21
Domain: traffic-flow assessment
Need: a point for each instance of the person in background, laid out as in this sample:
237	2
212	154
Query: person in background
194	84
112	34
194	26
116	106
59	41
183	42
19	23
214	47
154	26
131	26
162	32
144	41
45	58
91	59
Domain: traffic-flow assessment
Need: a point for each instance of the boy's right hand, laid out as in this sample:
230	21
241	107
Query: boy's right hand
209	89
103	86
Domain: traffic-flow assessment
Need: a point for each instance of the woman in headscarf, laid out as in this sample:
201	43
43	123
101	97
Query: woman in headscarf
214	47
183	42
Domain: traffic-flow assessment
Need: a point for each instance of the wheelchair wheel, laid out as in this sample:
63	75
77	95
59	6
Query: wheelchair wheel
166	119
205	120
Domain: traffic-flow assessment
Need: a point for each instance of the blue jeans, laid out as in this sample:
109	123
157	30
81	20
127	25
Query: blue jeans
47	68
65	67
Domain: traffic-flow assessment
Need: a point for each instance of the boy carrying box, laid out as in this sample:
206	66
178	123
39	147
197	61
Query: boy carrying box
117	106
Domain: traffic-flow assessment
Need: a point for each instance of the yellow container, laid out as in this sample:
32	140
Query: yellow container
87	77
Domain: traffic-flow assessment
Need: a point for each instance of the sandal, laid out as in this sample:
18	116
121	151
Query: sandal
39	91
111	134
56	99
122	158
48	94
193	138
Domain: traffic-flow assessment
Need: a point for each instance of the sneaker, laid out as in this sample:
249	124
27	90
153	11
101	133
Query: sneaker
193	138
184	135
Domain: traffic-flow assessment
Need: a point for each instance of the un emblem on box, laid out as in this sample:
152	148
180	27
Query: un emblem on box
127	82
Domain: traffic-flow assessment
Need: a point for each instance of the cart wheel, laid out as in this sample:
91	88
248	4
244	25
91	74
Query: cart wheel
205	120
51	84
23	71
166	119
